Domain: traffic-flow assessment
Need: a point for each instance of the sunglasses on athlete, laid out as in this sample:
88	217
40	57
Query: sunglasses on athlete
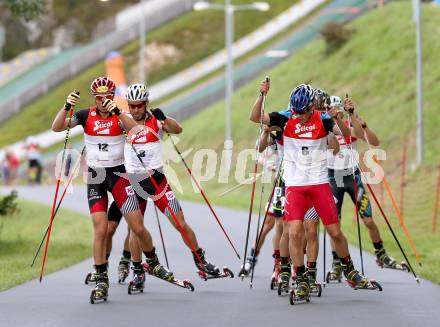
136	105
101	97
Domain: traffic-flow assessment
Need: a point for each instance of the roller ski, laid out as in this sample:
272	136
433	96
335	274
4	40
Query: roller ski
284	281
383	260
336	273
276	274
302	291
90	277
315	287
249	265
137	285
207	270
360	282
100	292
123	270
163	273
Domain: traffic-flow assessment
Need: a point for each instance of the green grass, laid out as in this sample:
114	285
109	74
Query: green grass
196	35
20	236
377	68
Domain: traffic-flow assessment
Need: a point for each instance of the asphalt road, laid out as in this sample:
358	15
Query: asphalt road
62	299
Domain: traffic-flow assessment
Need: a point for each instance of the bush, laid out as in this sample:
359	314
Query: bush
8	206
335	35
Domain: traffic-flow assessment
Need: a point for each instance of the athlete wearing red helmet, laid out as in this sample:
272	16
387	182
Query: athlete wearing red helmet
103	126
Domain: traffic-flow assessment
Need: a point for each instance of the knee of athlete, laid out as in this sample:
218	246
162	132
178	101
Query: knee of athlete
335	233
138	230
297	235
101	232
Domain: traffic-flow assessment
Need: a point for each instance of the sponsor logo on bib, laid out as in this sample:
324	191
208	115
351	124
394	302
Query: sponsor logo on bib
300	129
129	190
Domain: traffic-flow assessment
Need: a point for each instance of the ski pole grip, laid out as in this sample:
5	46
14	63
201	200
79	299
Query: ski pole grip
68	106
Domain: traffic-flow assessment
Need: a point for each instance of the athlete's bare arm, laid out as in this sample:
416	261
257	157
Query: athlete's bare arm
265	139
61	121
356	129
333	144
255	114
369	135
127	121
171	125
340	128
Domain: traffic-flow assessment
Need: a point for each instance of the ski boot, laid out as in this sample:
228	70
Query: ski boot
276	273
315	288
153	267
284	283
336	273
100	292
138	282
249	265
123	270
207	270
90	277
302	291
383	260
360	282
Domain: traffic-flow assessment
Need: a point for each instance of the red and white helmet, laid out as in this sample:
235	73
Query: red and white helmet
102	85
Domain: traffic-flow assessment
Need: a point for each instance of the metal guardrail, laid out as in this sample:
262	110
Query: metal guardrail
25	89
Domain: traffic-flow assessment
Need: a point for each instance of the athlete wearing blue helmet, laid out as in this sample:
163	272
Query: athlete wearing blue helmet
301	98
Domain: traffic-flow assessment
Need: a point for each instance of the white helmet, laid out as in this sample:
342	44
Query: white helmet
137	93
336	102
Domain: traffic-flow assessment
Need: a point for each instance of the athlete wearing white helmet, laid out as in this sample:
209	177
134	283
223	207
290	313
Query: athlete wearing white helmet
146	139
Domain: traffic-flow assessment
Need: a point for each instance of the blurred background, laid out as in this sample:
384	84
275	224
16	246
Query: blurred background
203	62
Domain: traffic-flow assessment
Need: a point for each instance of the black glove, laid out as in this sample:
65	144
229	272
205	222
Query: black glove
110	105
158	114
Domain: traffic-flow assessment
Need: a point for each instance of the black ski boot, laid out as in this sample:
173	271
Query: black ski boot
138	282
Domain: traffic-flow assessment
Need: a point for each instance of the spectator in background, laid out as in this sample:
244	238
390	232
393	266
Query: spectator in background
34	159
12	163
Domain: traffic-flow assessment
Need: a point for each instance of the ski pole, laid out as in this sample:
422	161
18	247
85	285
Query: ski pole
324	257
396	209
254	181
173	214
70	108
161	235
355	192
259	232
245	182
204	196
59	204
258	224
387	222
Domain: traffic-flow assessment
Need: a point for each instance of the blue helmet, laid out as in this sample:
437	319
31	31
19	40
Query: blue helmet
301	98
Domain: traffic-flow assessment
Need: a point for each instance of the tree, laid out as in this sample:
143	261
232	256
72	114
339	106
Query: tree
27	9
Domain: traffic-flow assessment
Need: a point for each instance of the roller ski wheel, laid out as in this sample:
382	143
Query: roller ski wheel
90	278
133	288
226	272
359	282
94	298
293	298
316	289
284	283
180	283
137	285
402	266
335	274
100	292
245	271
